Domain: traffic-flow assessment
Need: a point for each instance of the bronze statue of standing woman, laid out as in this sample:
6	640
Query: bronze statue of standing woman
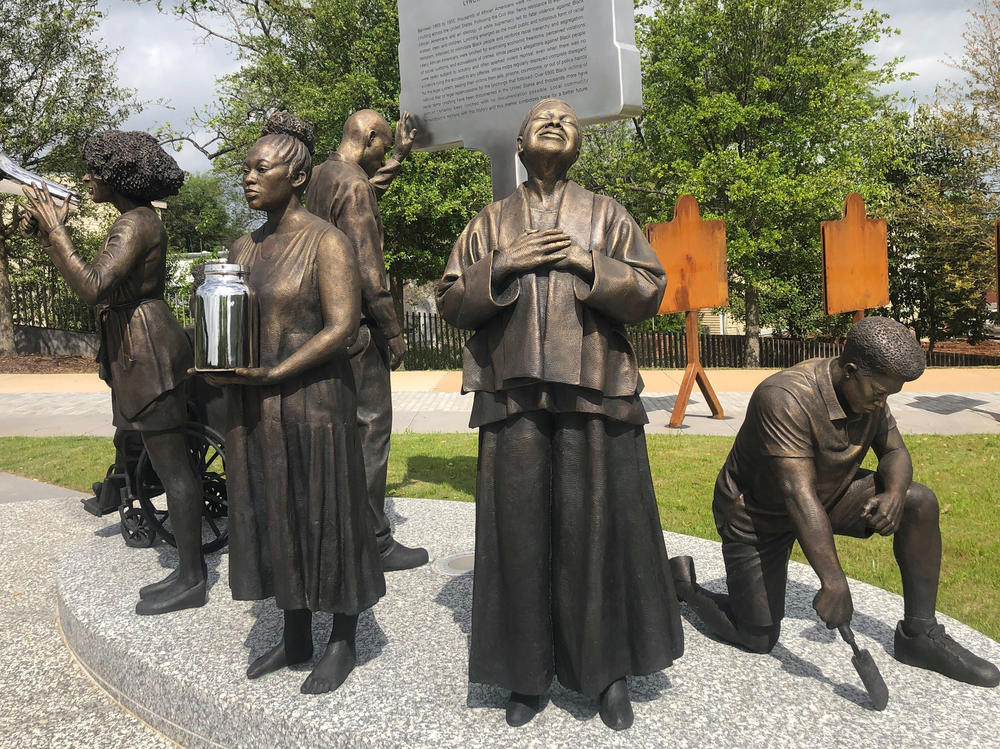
144	354
571	572
300	528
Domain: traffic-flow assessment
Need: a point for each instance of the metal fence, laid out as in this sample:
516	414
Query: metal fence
50	306
434	344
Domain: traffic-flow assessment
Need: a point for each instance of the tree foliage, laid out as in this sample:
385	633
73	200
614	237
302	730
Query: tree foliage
768	112
940	212
323	60
206	215
57	87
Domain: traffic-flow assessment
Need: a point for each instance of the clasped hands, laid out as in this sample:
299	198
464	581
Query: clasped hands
534	250
883	512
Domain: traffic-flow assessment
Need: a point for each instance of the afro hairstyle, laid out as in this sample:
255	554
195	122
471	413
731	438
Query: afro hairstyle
132	163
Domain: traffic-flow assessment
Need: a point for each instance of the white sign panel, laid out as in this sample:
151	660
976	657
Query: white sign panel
471	69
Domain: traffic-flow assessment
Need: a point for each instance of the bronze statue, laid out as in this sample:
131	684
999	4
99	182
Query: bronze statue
794	473
571	575
344	190
299	524
144	354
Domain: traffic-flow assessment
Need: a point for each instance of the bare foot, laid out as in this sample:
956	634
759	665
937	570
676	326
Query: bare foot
174	597
333	668
278	657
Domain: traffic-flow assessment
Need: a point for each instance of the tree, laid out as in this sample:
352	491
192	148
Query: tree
768	112
57	86
981	63
324	60
205	215
940	213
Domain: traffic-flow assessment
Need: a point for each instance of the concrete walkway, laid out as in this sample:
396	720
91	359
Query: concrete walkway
943	401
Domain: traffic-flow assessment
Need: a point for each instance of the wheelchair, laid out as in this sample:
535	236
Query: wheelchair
132	488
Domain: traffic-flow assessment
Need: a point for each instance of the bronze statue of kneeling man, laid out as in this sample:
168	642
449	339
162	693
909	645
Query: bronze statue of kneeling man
794	473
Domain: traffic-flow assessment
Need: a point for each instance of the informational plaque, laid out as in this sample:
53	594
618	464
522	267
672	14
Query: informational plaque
693	253
471	69
855	260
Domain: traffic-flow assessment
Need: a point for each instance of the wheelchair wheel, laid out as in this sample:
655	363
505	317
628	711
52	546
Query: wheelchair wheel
136	528
208	456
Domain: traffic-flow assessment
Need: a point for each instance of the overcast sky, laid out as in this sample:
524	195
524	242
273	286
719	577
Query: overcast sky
167	59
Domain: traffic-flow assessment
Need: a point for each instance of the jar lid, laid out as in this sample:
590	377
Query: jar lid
224	268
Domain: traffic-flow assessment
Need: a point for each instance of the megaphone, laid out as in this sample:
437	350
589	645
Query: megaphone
13	177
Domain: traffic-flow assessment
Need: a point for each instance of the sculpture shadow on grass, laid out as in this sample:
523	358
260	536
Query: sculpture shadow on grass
456	595
269	622
457	472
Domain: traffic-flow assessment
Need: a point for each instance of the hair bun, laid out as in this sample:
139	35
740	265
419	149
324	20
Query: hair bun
286	123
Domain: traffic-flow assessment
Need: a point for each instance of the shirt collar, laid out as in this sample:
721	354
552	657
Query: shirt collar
826	389
337	157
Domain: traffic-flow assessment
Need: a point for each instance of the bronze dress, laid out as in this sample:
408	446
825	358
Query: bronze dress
571	575
300	528
144	354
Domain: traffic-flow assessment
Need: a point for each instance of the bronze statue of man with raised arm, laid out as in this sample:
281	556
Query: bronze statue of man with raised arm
345	191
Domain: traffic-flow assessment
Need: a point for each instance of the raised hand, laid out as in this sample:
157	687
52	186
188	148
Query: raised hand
533	249
43	209
404	138
577	261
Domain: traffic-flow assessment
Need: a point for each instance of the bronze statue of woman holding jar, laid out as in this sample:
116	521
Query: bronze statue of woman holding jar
300	528
144	354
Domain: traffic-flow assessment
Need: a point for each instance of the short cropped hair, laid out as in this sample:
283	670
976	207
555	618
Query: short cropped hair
882	345
132	163
293	139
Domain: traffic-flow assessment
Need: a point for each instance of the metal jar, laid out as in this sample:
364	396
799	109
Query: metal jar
224	317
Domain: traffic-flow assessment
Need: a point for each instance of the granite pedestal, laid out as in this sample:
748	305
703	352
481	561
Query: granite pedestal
183	673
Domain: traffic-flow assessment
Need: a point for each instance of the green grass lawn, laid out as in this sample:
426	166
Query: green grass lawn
964	470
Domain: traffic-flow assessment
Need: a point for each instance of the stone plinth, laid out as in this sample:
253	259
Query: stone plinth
184	673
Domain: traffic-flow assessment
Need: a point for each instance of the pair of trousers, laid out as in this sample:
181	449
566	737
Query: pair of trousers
571	572
370	366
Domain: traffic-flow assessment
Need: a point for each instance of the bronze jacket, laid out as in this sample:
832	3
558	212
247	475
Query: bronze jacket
552	326
144	352
341	193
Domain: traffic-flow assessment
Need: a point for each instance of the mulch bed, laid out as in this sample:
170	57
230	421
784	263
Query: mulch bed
989	347
42	364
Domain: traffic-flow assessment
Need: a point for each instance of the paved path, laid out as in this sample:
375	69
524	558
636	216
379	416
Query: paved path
53	414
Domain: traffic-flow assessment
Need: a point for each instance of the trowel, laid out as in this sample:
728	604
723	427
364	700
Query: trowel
864	664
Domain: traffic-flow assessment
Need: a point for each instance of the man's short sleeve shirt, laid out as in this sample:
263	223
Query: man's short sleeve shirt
794	413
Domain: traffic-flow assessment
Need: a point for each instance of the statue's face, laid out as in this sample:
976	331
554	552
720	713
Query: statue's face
553	133
100	191
866	392
266	181
379	141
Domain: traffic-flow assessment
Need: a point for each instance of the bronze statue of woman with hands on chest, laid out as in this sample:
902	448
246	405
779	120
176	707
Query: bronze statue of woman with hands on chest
299	522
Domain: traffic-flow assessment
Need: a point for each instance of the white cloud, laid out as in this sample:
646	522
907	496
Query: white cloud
168	63
930	33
